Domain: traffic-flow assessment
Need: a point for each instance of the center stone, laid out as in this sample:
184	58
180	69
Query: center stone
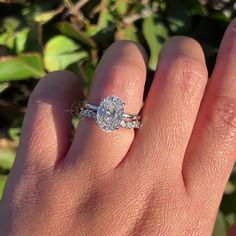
110	113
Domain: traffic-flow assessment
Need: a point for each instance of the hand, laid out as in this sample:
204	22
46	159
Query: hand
165	179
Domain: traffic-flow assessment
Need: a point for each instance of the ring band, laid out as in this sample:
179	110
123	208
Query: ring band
128	116
109	115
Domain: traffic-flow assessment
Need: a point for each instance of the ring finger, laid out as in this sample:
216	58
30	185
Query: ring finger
121	72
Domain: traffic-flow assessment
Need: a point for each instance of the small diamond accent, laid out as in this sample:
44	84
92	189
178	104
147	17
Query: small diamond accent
110	113
130	124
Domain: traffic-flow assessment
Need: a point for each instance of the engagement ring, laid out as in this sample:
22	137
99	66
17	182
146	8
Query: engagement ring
109	115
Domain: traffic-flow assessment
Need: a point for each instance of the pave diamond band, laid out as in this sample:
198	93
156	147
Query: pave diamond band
133	124
128	116
109	115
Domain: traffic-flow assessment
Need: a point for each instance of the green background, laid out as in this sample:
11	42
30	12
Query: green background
37	37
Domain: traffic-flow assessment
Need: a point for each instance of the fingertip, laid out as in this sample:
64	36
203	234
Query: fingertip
232	231
53	85
120	47
142	51
228	43
185	46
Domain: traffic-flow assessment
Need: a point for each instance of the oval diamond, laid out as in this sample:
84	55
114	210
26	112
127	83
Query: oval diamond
110	113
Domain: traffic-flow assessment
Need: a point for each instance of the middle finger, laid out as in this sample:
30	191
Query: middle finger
172	104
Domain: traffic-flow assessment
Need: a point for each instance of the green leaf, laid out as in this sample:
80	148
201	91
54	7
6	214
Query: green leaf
230	219
129	32
21	67
3	86
11	24
121	7
15	40
3	179
220	226
14	133
195	7
219	15
71	31
230	188
178	18
60	52
104	20
7	39
7	157
44	17
21	38
155	34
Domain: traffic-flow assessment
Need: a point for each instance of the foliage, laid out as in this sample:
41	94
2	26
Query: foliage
37	37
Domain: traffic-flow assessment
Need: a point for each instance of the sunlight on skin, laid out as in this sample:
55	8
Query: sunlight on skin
156	181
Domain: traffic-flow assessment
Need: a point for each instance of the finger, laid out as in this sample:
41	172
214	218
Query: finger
121	72
46	130
232	231
172	105
212	148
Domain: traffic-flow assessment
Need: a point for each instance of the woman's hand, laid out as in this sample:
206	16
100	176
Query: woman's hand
165	179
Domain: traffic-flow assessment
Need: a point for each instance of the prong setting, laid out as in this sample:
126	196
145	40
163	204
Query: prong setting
109	114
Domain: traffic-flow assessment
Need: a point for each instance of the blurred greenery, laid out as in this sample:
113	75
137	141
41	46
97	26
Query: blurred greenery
37	37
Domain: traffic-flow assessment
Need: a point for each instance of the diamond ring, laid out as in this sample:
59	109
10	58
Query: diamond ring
109	115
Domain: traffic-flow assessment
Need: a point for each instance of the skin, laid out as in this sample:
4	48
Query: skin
167	178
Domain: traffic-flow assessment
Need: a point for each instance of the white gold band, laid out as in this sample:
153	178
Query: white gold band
128	124
109	115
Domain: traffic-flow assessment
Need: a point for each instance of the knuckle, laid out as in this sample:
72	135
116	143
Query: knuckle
223	116
228	48
123	43
54	84
125	78
186	73
42	92
124	71
189	71
130	44
146	218
24	191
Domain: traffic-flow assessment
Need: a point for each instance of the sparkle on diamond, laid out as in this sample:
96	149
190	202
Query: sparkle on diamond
110	113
